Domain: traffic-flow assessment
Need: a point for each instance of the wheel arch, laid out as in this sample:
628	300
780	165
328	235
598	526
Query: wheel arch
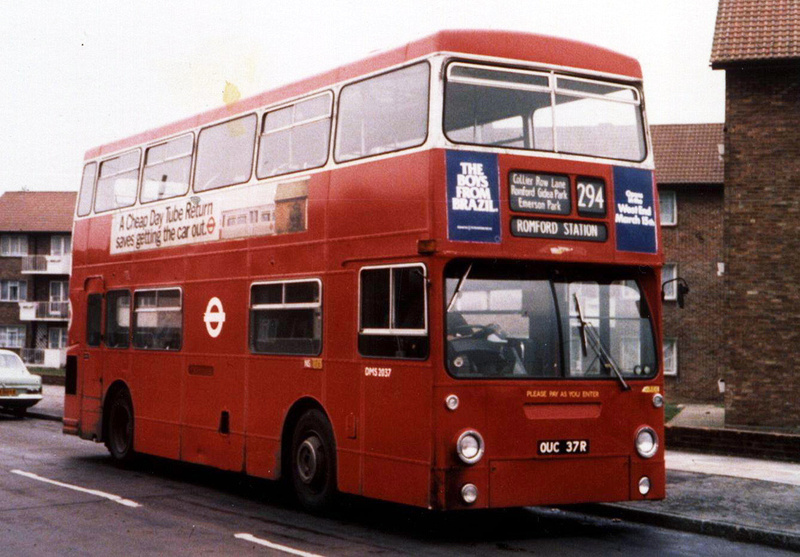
113	389
300	407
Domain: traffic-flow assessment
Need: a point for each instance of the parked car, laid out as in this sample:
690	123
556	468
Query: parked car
19	388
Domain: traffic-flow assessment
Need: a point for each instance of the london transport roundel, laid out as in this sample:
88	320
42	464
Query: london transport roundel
214	317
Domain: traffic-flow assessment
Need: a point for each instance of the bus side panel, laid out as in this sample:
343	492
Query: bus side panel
382	197
155	379
344	381
213	410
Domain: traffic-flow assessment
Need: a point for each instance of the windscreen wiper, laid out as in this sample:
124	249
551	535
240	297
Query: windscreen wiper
590	336
461	282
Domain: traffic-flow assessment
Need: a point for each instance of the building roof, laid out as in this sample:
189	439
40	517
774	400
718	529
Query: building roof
37	211
688	153
756	30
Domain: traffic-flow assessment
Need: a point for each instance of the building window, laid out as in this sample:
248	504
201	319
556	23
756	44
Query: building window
286	317
295	137
60	245
12	336
670	356
57	338
166	169
118	318
225	154
157	319
13	245
669	273
669	207
393	312
13	290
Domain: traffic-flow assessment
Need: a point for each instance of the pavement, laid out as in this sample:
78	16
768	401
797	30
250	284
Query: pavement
742	499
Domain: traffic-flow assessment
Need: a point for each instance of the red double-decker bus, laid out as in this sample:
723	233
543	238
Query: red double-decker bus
430	277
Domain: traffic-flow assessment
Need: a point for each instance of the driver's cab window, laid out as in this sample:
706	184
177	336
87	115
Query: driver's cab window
393	321
500	326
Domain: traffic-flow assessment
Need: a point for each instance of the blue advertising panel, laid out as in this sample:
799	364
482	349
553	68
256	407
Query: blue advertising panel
634	206
473	197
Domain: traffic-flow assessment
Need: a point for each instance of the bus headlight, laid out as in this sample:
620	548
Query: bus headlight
470	447
644	485
646	442
658	400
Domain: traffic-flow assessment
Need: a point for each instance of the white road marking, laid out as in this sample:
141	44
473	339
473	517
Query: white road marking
109	496
265	543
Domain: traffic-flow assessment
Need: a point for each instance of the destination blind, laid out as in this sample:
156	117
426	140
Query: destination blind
558	229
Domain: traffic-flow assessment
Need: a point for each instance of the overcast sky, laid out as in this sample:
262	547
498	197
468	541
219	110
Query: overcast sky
79	74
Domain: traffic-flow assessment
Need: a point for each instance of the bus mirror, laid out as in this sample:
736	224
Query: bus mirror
680	294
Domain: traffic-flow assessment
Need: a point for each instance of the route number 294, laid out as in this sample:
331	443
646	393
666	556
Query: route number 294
591	197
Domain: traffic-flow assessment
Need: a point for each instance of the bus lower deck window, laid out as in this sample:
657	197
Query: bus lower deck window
286	317
393	320
158	319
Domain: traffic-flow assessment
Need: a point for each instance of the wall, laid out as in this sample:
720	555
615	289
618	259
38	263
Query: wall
695	244
762	238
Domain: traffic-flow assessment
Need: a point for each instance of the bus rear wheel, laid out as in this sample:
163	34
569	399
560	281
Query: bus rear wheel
313	462
119	428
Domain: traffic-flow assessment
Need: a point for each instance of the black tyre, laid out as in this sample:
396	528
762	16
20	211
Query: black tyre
313	462
119	427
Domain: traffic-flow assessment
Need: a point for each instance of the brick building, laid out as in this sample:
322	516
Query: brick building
35	262
757	44
689	174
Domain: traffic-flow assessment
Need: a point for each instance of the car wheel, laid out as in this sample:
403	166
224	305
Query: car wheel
119	429
313	463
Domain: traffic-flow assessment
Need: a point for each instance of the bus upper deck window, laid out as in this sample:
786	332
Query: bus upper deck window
87	189
384	113
295	137
166	169
225	154
118	181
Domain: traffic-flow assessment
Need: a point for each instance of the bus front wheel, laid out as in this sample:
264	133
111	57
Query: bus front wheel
119	428
313	461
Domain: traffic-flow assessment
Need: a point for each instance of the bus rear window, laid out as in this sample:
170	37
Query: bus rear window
158	319
381	114
521	109
225	154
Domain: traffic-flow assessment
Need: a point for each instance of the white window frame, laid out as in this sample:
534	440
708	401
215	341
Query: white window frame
21	332
671	290
662	195
286	305
18	284
62	338
14	245
393	331
673	370
60	245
